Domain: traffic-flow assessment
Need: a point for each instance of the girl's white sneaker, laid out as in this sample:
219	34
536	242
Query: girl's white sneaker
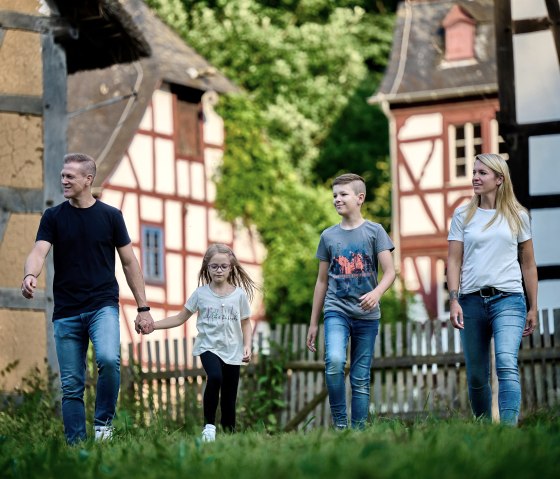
209	433
103	433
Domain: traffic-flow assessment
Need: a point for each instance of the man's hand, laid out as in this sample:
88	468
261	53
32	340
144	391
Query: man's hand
144	323
28	286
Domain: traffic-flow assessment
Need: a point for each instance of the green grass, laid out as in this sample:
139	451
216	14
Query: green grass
32	445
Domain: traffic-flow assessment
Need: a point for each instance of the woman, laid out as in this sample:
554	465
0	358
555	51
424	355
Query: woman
490	250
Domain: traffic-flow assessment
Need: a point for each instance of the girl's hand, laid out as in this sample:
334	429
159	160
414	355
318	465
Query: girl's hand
247	354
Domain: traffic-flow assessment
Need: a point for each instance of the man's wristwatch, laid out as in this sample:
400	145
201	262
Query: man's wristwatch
453	294
143	309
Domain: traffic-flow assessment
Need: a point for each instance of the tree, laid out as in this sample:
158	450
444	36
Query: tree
306	68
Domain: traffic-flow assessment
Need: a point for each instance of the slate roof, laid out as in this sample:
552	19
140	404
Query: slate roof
106	132
417	71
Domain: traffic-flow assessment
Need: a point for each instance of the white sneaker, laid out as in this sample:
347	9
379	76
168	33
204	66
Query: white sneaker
209	433
103	433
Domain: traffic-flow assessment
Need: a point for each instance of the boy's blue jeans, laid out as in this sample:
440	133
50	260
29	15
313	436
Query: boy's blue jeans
72	337
338	329
503	316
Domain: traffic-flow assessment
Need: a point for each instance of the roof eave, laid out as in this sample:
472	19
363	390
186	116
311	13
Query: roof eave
434	95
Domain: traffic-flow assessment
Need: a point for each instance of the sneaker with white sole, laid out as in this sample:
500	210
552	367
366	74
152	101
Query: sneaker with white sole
209	433
103	433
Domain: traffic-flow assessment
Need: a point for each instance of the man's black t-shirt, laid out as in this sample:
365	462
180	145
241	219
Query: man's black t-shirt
84	242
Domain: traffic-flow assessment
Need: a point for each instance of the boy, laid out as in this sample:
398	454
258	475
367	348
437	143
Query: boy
348	291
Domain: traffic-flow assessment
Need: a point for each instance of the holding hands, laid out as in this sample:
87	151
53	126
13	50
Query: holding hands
144	323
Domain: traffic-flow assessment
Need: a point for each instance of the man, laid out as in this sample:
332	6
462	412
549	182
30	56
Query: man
85	233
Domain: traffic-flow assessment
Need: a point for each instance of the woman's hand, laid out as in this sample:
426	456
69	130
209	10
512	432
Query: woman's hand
531	323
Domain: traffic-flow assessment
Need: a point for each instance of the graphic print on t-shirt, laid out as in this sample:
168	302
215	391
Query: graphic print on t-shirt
221	314
352	269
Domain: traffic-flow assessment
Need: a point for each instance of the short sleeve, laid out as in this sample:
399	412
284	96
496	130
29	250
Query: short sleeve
47	230
322	250
456	230
383	242
525	231
192	302
244	307
120	233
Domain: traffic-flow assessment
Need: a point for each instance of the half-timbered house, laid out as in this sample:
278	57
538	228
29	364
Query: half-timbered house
152	127
528	37
440	95
37	49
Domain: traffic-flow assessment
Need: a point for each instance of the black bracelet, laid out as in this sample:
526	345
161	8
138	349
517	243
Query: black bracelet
143	309
29	274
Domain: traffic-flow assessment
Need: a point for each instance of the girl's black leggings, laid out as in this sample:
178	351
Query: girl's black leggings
224	378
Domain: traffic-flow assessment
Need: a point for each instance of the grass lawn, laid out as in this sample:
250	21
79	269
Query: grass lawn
32	445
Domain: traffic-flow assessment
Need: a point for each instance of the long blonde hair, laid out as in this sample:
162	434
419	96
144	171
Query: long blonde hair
237	275
506	202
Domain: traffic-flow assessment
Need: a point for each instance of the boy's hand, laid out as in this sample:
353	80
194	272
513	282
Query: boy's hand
246	354
311	336
369	301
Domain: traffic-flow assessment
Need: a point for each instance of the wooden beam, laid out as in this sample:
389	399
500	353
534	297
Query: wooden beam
4	218
55	129
530	25
21	200
31	105
33	23
11	298
553	9
504	57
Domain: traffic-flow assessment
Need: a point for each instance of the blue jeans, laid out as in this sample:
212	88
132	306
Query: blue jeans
338	329
72	337
503	316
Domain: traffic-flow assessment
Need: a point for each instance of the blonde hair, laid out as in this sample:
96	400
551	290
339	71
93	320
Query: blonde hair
507	205
237	275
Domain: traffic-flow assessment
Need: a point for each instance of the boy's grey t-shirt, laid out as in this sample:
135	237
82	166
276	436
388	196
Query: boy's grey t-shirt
352	257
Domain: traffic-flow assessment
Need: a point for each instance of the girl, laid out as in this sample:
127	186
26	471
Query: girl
224	331
490	251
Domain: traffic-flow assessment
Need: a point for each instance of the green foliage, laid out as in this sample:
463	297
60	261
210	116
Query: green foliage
262	402
307	68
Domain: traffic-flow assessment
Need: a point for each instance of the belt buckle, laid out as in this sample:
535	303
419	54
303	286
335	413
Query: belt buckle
487	292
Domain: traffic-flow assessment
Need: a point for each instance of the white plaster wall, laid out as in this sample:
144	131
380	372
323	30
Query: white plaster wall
151	209
124	175
195	229
192	267
414	219
544	167
146	123
404	179
130	213
175	278
212	159
546	231
536	94
198	182
421	126
165	166
218	231
433	172
173	225
155	293
162	102
142	157
183	178
435	203
112	197
528	9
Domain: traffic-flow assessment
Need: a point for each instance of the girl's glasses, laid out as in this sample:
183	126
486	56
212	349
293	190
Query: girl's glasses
215	267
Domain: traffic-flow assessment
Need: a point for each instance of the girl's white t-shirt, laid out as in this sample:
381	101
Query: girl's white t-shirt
219	322
489	255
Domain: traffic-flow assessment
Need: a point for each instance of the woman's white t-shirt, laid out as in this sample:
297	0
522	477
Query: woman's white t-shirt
489	255
219	322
